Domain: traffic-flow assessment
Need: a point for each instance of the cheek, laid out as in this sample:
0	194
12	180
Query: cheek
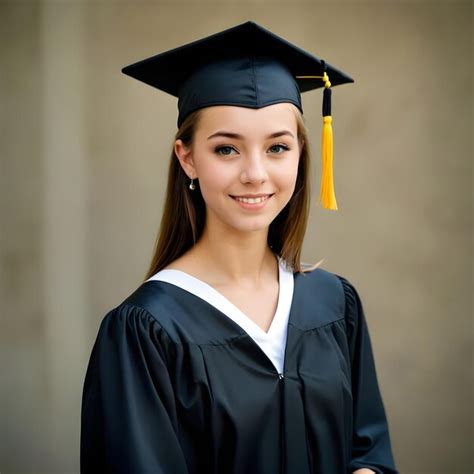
214	178
287	175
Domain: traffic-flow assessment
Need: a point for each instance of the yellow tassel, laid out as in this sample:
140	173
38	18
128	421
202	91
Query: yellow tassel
327	195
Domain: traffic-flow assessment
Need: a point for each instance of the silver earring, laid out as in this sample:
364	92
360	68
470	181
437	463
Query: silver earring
192	186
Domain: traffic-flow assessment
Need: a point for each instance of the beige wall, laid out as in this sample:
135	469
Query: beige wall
84	154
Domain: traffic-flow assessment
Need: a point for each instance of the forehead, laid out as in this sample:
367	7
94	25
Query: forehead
233	118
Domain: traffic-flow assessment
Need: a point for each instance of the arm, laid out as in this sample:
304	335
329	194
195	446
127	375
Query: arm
371	446
128	417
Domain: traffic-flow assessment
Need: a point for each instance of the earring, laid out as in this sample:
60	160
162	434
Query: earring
192	186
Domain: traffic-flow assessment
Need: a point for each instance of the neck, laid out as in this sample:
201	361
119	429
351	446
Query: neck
237	259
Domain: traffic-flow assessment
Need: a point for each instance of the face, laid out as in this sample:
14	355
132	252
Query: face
246	161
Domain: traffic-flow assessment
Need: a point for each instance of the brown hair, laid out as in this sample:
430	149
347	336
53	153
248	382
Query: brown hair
184	211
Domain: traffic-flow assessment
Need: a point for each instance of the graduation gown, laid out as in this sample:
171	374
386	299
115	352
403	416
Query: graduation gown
175	386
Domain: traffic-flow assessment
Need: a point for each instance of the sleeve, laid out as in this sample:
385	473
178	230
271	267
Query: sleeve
371	446
128	413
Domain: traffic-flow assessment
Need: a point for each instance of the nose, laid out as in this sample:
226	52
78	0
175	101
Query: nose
254	169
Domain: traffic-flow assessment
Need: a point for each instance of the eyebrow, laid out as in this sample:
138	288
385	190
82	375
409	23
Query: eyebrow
223	133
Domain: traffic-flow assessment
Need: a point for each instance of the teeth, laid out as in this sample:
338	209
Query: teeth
252	200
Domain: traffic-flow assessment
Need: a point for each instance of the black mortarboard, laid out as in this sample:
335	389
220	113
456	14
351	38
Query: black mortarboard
248	66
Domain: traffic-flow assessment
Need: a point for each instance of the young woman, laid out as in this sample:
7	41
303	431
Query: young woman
233	356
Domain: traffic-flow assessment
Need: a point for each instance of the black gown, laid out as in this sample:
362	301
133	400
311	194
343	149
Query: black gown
175	386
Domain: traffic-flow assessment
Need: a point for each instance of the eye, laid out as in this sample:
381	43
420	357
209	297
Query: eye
225	148
280	145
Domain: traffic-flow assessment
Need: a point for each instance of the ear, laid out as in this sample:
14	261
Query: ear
185	157
301	145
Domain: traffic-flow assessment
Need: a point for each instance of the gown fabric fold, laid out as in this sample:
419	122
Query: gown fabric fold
175	386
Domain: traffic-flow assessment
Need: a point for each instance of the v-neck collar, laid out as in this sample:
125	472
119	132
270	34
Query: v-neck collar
208	293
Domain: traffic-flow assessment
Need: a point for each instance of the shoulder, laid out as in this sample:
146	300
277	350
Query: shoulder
329	297
333	288
354	315
181	315
126	319
141	312
317	277
127	330
319	272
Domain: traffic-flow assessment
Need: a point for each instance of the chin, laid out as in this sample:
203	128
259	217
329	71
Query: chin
241	222
252	225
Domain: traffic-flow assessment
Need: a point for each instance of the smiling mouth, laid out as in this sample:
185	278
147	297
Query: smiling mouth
249	200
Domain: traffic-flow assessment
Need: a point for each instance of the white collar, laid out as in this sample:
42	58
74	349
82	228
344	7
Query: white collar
206	292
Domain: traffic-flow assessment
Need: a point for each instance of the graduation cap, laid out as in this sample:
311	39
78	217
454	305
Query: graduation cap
247	66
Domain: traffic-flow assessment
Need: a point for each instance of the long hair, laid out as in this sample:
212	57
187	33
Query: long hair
184	212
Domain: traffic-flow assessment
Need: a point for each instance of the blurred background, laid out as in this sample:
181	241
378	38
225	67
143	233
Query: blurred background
84	153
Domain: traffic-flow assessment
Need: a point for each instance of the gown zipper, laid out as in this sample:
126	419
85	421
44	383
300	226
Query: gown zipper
282	423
